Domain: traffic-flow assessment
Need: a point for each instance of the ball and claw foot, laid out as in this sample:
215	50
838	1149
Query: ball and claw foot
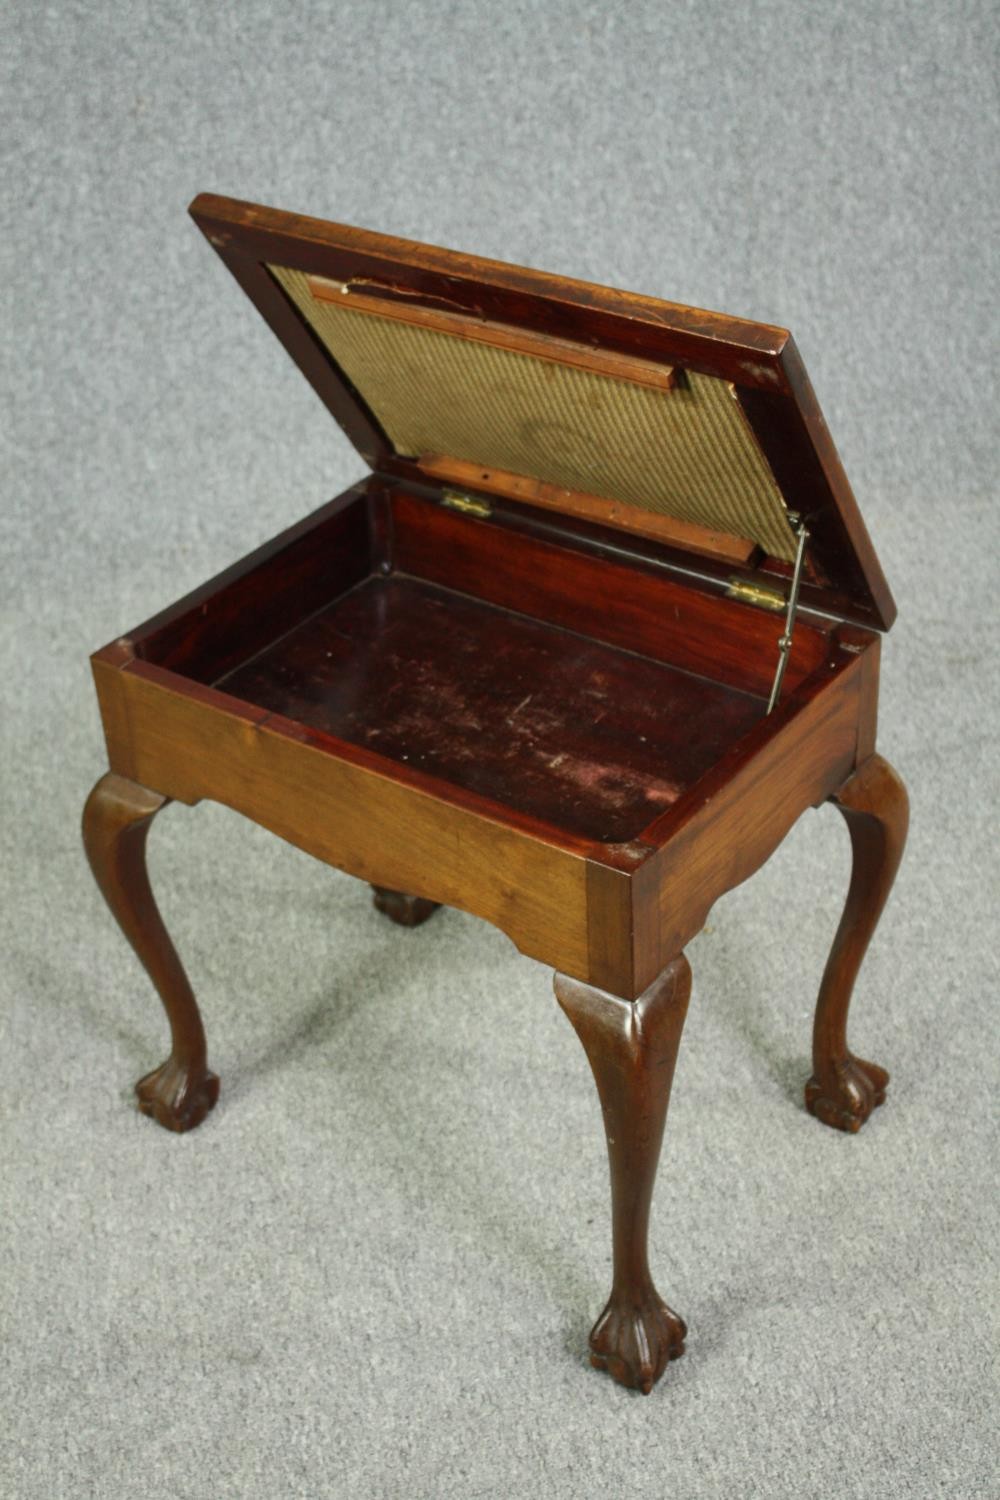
634	1342
846	1099
175	1098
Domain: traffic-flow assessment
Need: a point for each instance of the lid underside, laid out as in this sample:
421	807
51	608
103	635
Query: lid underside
684	449
621	409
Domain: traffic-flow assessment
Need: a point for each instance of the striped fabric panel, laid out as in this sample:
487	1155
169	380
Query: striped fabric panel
686	452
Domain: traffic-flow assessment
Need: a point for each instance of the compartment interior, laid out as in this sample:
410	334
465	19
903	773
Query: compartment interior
579	691
582	735
658	441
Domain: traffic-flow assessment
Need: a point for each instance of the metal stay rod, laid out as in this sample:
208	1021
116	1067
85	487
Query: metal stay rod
785	640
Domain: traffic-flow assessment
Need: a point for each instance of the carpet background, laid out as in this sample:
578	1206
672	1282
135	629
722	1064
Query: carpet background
372	1271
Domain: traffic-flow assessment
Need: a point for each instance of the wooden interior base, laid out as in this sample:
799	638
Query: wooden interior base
583	735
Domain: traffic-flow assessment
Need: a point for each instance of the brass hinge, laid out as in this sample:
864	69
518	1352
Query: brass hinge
469	505
755	593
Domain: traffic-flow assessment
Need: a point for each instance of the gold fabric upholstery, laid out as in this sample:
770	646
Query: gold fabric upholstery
686	452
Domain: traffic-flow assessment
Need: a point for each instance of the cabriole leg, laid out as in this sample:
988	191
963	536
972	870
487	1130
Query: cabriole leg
116	820
844	1089
632	1048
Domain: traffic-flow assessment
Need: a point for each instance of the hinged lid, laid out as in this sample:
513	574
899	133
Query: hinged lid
697	430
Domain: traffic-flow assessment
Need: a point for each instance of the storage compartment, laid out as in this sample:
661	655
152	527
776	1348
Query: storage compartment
579	690
579	734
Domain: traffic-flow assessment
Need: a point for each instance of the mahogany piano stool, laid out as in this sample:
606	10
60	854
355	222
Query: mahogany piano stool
601	622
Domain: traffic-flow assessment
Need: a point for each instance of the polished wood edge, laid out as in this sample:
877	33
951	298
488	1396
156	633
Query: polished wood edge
852	641
736	551
796	442
610	894
748	351
358	295
869	693
199	692
847	510
112	702
116	653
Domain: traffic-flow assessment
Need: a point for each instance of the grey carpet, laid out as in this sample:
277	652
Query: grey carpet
372	1271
